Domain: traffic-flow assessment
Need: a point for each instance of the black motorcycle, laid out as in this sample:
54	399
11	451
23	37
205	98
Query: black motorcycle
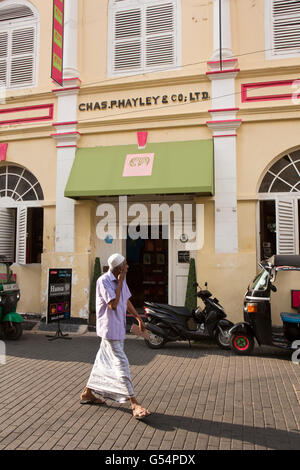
168	323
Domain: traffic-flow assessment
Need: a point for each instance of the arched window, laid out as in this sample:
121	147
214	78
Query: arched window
279	195
144	36
19	184
21	215
19	23
283	176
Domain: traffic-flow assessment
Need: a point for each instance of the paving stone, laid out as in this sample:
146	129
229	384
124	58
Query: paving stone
200	398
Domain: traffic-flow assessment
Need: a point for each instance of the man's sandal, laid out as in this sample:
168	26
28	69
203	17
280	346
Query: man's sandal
91	400
141	415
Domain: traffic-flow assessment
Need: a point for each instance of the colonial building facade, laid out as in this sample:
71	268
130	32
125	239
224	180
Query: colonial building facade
191	105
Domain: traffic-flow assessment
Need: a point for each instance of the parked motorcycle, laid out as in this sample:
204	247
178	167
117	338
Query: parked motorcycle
10	320
169	323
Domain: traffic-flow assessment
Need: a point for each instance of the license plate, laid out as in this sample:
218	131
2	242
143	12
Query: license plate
10	287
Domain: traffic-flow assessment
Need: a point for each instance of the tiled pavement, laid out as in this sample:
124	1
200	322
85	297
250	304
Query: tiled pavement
200	398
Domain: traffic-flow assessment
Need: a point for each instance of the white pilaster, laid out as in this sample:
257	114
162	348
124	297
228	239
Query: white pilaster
224	124
71	39
66	134
225	30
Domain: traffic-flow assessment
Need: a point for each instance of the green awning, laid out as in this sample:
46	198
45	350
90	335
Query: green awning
171	168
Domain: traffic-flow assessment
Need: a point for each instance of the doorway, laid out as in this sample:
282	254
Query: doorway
267	229
148	262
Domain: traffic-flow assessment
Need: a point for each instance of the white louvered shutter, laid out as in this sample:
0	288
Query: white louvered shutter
160	35
285	227
7	233
128	40
21	235
22	57
18	46
144	35
286	26
3	58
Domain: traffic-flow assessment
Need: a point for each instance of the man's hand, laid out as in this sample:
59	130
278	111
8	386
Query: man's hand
141	324
123	271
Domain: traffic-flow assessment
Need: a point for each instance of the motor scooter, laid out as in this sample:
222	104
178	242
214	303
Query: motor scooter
170	323
10	320
257	311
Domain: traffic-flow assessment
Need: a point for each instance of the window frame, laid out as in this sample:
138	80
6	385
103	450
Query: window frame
131	4
19	23
21	206
269	36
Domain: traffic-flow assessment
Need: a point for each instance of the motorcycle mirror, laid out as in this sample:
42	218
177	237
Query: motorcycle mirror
273	288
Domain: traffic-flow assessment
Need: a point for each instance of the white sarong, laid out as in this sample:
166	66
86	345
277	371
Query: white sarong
110	376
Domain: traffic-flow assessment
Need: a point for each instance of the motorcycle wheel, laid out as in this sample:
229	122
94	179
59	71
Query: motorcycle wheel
12	331
242	343
155	341
222	338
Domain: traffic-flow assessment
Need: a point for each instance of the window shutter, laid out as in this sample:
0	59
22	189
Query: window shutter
128	40
160	35
7	233
286	26
22	57
285	227
143	35
3	58
21	235
14	12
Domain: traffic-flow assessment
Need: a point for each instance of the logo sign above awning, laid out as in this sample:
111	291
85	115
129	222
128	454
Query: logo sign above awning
57	41
139	164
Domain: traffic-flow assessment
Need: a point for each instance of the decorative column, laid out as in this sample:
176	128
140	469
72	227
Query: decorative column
224	125
66	134
225	30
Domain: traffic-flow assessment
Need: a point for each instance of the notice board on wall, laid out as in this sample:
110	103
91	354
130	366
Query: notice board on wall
59	294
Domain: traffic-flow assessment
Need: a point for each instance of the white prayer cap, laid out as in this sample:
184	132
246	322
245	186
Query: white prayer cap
115	260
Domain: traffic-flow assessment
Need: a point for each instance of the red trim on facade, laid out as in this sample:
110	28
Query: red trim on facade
69	79
48	117
213	72
224	135
66	146
250	86
224	120
65	133
219	61
222	110
65	123
66	89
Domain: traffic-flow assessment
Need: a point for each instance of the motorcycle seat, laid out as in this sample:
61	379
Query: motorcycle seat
290	317
179	310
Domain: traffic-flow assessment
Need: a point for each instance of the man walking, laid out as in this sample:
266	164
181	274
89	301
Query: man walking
110	376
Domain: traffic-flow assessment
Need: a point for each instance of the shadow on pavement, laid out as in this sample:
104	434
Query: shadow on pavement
83	349
267	437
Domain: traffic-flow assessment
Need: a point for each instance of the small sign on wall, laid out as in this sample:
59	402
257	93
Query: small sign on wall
183	256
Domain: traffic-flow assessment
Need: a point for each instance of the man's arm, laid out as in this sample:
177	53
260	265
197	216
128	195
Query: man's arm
113	303
134	313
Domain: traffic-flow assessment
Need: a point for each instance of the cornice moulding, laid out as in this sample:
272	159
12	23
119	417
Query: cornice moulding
145	84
